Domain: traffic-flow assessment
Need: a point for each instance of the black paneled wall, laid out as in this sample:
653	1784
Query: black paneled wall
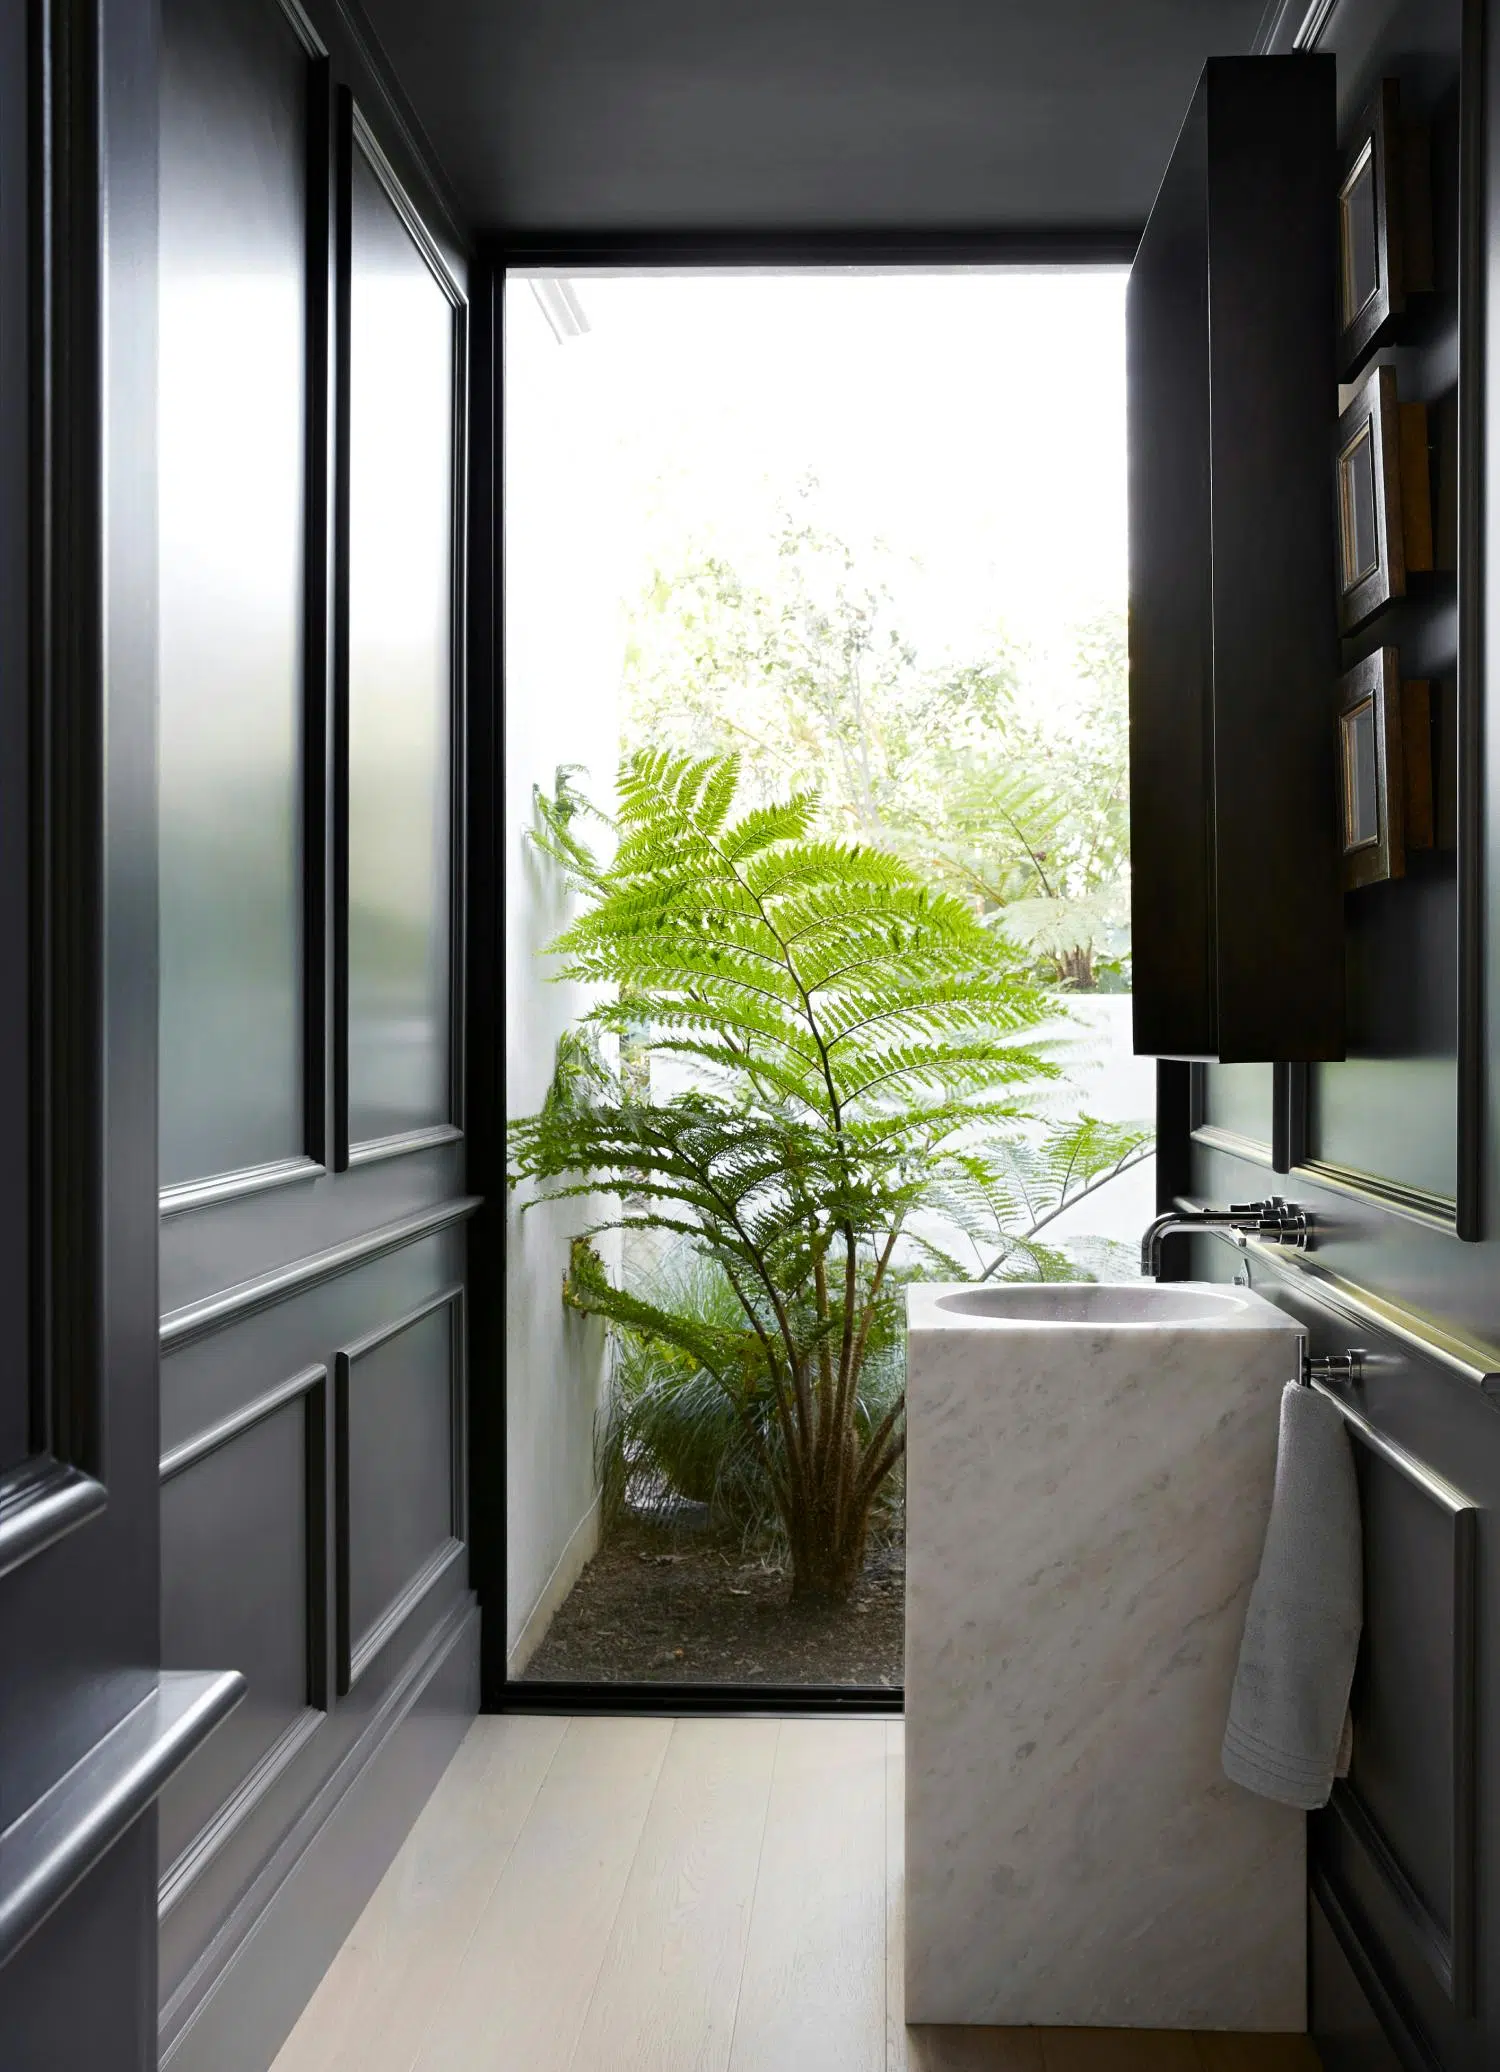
1393	1150
313	1208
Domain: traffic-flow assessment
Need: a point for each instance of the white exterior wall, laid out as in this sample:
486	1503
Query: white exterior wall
1105	1078
564	635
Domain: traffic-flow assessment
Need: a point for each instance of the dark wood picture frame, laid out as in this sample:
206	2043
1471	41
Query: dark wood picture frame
1383	493
1385	769
1385	225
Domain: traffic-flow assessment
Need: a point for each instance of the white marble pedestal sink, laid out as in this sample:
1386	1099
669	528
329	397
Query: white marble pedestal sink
1089	1471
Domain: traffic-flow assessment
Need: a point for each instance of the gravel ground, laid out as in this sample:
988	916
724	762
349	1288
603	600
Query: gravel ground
663	1606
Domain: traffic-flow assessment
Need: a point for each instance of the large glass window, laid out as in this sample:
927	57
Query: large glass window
818	950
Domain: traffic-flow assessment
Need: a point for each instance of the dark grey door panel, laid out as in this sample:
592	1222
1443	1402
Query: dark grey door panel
400	1397
313	1229
243	1575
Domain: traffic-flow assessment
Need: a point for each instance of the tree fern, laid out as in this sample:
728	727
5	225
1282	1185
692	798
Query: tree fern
853	1035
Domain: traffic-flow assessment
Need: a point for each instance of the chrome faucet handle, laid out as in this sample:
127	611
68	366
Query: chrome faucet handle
1284	1223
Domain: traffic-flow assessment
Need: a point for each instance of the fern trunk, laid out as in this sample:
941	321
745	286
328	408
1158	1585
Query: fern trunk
828	1550
828	1526
1075	968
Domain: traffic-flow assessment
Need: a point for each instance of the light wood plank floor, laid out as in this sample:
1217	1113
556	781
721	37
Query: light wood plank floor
634	1895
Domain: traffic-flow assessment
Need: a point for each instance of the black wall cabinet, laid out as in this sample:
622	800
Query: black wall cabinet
1231	331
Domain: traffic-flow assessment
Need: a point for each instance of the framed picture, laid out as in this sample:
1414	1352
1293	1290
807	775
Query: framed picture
1384	497
1385	225
1385	769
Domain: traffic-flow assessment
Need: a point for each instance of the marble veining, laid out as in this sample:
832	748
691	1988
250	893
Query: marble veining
1085	1510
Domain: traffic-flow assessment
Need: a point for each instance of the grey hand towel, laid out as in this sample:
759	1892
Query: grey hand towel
1291	1691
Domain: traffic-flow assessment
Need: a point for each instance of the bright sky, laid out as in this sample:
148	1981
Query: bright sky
973	422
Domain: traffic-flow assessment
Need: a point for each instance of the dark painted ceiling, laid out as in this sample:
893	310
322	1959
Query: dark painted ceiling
800	115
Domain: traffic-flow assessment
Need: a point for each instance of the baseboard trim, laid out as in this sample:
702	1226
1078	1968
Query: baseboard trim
582	1545
235	2009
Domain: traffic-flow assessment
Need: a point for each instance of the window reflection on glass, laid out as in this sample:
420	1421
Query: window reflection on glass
1358	528
1360	249
1361	782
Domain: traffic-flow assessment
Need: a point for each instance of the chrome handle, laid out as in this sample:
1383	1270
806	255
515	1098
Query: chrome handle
1347	1366
1278	1222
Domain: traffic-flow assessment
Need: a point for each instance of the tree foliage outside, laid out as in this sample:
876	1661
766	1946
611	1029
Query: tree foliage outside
1021	811
863	1056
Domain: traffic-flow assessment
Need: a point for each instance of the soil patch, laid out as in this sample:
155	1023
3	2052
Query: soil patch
657	1605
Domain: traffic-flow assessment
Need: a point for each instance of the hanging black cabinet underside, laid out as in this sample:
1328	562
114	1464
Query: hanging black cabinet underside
1231	329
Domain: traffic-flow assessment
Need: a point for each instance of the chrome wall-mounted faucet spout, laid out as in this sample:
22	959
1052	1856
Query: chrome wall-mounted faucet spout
1276	1221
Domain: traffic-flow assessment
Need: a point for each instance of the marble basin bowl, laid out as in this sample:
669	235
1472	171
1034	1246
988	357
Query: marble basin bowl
1089	1472
1094	1302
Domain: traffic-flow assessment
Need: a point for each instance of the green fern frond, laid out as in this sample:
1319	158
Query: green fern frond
823	1048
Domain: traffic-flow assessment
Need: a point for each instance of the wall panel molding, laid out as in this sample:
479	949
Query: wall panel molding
58	1840
355	1651
225	1187
58	1295
1417	1204
402	117
1448	1948
1429	1936
404	1145
1392	1197
196	1320
357	143
1407	2037
310	1388
369	144
1232	1144
234	2008
1472	1090
318	629
1214	1136
236	1810
369	1644
185	1455
41	1502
